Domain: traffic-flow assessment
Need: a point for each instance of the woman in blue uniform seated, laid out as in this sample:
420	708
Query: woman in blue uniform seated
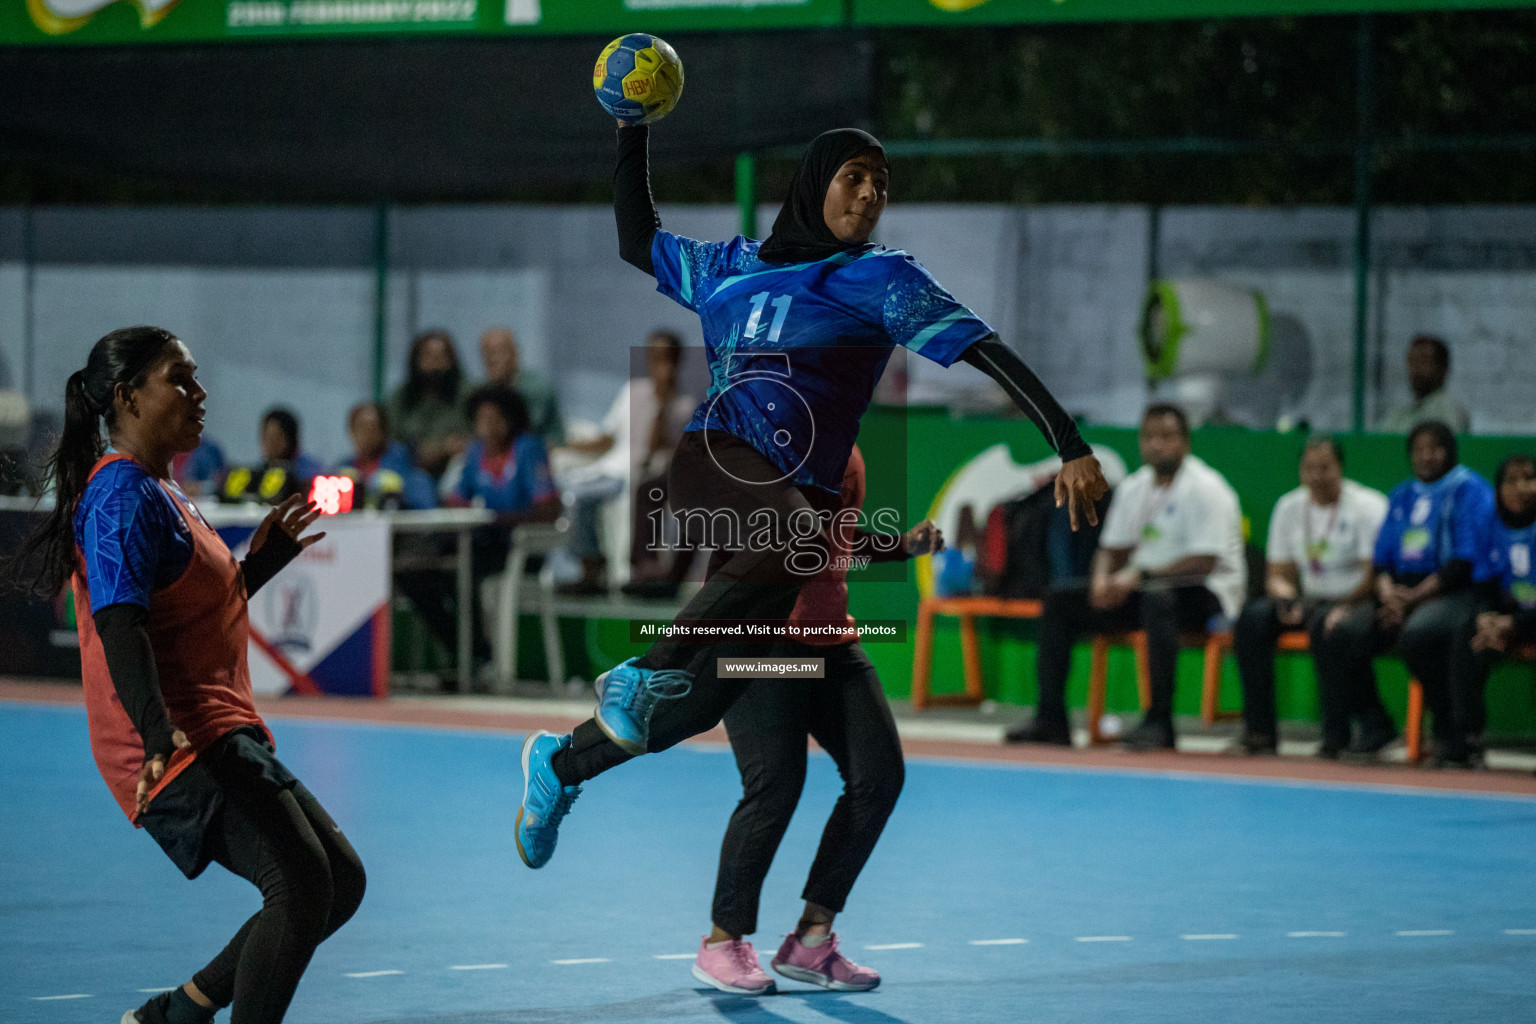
1506	585
1420	600
504	469
380	466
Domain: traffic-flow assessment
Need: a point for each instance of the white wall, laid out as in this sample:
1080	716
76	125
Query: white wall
278	304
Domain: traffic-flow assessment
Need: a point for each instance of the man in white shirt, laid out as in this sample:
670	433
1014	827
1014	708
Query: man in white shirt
1170	559
1321	539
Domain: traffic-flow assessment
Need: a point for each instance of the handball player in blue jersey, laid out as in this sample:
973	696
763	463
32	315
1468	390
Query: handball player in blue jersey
797	330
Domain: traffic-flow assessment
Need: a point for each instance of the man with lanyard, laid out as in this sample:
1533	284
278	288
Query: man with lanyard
1419	598
1170	559
1321	539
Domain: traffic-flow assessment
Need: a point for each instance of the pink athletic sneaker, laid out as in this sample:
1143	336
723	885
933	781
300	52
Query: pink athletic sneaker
823	965
731	967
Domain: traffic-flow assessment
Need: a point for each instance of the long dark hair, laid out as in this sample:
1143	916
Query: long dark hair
416	386
47	556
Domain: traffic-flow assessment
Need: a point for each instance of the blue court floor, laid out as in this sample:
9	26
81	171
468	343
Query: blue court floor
1000	893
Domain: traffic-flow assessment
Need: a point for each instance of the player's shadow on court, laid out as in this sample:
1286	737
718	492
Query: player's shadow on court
842	1006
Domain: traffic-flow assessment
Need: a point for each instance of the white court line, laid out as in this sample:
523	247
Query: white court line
1314	935
371	974
478	967
1206	938
896	945
1429	931
49	999
167	988
1520	931
583	960
1102	938
674	956
998	942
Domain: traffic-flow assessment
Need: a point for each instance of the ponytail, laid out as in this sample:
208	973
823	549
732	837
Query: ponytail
47	557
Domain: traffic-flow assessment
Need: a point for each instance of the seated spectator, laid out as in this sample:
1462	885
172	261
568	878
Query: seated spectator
280	444
1170	559
199	470
427	411
285	470
504	469
1429	364
639	434
1321	539
380	467
503	362
1507	601
1420	599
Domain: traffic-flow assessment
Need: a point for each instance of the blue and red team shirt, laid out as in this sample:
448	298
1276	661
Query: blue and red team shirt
134	540
1507	558
1428	525
795	349
511	484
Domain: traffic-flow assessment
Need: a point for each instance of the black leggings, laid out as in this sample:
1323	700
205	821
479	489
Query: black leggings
722	491
710	475
847	714
311	882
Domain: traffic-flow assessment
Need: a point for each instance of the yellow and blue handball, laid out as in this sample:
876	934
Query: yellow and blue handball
638	78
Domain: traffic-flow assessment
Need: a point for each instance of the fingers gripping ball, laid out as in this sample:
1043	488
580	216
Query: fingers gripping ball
638	78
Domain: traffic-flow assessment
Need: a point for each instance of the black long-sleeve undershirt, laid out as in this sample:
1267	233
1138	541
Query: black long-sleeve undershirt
1034	399
131	659
633	208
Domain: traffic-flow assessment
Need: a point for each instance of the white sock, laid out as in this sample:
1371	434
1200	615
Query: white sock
812	941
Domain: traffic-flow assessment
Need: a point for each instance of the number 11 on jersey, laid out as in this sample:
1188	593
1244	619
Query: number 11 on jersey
780	311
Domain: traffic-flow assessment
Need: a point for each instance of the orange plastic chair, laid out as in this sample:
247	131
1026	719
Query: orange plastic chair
967	609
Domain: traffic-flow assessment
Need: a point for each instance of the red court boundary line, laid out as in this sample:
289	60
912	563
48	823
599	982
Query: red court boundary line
1282	769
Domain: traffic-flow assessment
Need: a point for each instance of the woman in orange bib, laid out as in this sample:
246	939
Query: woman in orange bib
161	605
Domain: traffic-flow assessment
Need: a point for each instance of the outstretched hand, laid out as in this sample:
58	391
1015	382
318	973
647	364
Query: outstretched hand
1079	484
292	517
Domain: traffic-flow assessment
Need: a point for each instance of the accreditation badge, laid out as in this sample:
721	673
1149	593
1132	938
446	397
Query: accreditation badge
1415	542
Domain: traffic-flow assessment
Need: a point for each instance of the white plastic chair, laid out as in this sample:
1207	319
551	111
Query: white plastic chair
509	591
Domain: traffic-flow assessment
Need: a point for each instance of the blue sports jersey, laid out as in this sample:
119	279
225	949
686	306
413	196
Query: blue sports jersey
1507	558
134	540
395	474
514	485
1428	525
795	349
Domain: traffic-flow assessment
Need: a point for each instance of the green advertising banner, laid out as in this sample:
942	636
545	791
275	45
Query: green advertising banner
179	21
1006	12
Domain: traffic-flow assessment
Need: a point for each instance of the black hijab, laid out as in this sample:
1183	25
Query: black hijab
800	232
1511	520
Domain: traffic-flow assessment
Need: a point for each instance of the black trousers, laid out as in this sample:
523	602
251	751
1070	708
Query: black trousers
1427	642
719	484
1254	639
847	714
723	491
1163	614
434	593
271	831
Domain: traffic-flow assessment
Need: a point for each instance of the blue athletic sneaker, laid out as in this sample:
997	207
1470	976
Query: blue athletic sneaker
545	801
628	694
